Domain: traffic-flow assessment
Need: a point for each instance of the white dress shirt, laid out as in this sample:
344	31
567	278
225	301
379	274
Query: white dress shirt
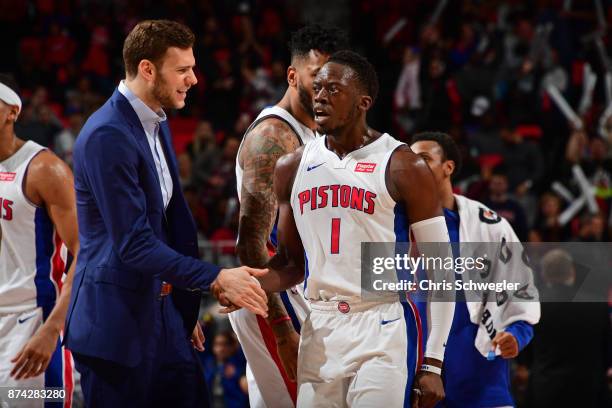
150	121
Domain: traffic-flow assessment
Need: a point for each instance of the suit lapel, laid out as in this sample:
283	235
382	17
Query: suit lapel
164	136
123	105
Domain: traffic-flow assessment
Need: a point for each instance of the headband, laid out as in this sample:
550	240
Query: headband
8	96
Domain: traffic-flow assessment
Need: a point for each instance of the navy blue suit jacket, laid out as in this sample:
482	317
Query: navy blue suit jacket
128	243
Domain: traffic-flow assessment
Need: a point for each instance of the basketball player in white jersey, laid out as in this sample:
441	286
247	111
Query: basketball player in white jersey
271	344
37	215
335	193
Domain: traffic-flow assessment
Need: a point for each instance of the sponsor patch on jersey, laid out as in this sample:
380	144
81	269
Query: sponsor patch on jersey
488	216
7	176
344	307
362	167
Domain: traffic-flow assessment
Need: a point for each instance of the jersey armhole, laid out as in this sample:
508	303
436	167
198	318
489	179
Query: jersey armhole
298	173
24	179
387	162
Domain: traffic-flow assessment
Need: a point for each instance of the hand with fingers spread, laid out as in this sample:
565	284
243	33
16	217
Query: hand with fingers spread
35	355
507	343
238	288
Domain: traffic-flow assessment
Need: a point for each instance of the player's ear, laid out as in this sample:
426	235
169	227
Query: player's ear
365	102
449	167
147	69
292	76
13	113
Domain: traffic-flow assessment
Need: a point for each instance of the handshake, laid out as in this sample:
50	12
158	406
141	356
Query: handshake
238	288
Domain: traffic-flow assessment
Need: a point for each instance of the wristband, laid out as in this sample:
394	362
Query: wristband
280	320
431	369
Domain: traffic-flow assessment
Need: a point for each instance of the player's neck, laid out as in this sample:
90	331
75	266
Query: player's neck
9	143
344	141
295	109
447	197
139	88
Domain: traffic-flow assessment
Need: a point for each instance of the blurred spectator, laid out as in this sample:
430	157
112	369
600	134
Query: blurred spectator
502	204
224	371
523	161
83	97
547	224
219	189
64	140
59	46
185	169
38	122
200	215
204	152
592	228
407	98
570	355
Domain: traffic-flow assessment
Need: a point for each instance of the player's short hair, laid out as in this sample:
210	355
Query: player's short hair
9	80
150	40
450	150
364	71
323	38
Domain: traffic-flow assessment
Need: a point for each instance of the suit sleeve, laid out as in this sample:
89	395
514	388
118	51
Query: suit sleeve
112	170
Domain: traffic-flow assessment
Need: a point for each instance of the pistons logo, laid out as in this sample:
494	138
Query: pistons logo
343	307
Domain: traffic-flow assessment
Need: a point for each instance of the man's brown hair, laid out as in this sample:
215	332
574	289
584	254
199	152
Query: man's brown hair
150	39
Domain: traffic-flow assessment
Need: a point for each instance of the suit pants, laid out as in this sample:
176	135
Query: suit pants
169	375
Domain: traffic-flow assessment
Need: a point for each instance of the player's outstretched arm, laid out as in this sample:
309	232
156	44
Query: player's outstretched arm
261	149
411	181
287	265
50	184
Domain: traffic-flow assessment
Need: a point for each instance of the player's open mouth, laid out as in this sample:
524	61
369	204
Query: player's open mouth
182	93
320	113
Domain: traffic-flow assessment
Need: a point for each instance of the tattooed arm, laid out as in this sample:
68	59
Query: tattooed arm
262	147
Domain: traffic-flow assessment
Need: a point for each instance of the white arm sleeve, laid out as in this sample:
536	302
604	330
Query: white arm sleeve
442	310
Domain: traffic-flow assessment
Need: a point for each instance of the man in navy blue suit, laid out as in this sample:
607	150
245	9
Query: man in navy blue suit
136	291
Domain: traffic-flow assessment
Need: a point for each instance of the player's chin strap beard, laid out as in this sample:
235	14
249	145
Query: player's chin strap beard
10	97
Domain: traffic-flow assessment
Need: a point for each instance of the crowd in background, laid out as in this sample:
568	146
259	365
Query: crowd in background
477	70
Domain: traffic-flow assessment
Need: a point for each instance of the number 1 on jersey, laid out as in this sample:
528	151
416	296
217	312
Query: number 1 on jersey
335	236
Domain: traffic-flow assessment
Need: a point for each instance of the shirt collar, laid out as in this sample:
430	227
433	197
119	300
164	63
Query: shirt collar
145	114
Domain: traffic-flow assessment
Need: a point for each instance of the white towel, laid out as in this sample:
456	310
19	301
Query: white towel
480	224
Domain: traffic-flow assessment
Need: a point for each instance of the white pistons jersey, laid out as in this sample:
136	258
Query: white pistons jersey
338	204
32	256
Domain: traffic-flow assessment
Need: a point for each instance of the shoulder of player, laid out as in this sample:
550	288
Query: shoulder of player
46	165
272	135
47	176
403	160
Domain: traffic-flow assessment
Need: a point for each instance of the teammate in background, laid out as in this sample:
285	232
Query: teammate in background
278	130
470	379
335	193
37	214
